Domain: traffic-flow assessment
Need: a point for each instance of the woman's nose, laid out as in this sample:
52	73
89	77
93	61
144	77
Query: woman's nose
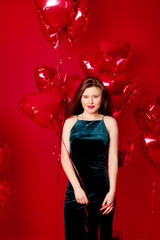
90	100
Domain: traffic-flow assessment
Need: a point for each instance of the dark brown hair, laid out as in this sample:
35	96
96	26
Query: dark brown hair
75	106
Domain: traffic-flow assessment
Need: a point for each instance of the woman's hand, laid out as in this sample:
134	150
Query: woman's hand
80	196
108	203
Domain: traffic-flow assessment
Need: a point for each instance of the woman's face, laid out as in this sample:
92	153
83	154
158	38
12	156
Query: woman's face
91	99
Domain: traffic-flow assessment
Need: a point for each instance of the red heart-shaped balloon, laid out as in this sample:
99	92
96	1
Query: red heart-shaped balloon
116	57
150	146
44	107
57	13
52	36
91	64
147	117
113	61
79	22
45	77
123	89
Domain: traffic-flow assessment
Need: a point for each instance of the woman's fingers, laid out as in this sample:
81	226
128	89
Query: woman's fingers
109	209
104	202
80	196
107	205
86	200
82	200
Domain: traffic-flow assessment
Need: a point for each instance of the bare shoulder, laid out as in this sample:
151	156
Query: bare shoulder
110	123
69	122
110	120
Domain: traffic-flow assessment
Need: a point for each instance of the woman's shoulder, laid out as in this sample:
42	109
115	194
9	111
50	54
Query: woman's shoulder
110	121
71	118
69	122
109	118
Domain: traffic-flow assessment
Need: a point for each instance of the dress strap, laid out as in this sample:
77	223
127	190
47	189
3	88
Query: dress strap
77	117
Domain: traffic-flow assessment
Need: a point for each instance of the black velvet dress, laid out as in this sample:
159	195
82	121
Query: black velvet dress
89	142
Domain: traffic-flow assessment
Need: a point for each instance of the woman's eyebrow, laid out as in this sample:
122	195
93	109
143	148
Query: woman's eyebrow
96	94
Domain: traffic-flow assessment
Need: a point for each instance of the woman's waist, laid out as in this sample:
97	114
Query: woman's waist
92	171
96	183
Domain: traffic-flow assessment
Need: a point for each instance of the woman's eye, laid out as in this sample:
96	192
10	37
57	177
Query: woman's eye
93	96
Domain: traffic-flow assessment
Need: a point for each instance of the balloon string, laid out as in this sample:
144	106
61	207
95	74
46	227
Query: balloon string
57	128
68	60
81	183
59	63
152	209
74	166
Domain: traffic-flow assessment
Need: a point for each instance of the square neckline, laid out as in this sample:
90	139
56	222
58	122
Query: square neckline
89	120
100	120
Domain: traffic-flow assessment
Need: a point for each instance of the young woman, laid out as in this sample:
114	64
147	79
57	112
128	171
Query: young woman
90	139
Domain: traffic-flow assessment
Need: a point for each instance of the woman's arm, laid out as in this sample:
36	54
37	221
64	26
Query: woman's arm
113	155
67	165
108	202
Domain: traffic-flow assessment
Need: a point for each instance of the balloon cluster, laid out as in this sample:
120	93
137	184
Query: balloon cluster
47	107
62	16
147	117
4	186
110	65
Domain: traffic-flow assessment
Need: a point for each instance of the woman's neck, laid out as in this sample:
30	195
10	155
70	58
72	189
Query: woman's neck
90	116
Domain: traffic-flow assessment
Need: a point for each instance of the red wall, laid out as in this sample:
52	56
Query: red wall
32	172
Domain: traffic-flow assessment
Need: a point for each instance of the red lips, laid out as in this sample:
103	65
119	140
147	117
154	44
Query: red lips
90	107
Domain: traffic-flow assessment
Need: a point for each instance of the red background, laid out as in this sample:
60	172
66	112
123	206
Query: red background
32	171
